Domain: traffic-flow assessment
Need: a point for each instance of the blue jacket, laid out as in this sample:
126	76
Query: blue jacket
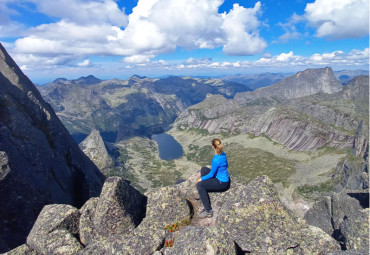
219	168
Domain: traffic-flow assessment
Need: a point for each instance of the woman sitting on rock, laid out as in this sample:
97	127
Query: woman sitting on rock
215	179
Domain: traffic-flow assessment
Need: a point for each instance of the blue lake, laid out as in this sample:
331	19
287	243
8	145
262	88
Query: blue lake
169	148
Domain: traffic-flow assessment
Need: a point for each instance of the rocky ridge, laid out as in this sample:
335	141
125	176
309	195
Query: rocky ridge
40	162
300	118
247	219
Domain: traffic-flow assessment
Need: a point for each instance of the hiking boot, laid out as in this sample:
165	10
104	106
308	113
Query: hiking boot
205	214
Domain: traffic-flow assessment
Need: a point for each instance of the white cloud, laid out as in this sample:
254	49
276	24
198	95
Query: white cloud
241	25
83	12
138	59
285	60
84	63
99	27
290	29
338	19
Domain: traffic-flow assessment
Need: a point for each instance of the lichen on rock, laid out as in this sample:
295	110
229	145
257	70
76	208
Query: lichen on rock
119	208
201	240
55	229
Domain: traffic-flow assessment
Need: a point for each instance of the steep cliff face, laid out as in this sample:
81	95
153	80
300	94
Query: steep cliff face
41	163
302	123
352	173
305	83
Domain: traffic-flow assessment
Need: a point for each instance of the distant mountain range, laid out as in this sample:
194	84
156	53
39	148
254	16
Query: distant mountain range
141	106
138	106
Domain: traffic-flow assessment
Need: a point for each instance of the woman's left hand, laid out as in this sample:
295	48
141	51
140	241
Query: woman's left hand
199	180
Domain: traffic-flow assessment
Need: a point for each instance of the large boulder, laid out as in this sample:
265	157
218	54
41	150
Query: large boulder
54	231
343	217
255	218
344	207
41	162
119	209
355	231
166	206
320	215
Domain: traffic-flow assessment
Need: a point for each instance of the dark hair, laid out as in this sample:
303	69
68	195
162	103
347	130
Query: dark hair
216	143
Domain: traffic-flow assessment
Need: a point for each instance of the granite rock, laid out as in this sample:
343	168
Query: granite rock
120	208
22	250
255	218
137	242
88	234
201	240
42	163
55	229
356	231
166	206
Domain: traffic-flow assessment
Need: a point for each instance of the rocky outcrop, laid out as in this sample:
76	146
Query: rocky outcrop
165	206
119	209
344	217
352	173
357	89
93	146
55	229
259	223
247	219
40	162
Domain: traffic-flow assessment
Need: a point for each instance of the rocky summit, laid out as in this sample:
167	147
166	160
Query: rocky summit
247	219
40	162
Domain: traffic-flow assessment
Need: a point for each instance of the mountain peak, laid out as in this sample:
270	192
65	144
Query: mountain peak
88	80
14	75
93	146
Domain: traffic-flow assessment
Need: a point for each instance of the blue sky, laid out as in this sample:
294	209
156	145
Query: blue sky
116	39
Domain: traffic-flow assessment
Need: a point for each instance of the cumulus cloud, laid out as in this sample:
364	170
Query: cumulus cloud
338	19
289	59
240	26
90	27
83	12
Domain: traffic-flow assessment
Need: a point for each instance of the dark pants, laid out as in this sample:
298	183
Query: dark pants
210	185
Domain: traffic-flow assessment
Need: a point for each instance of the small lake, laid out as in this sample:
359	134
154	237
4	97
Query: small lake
169	148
